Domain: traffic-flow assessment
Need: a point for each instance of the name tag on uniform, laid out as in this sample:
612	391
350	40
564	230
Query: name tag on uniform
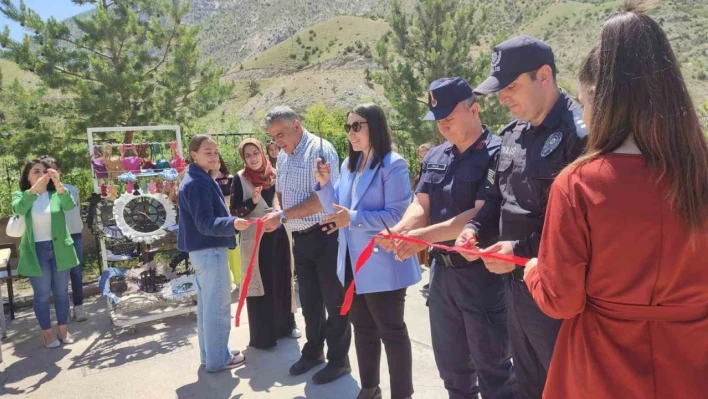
436	166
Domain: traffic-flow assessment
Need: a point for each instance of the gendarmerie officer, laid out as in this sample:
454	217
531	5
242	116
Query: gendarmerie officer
466	301
547	134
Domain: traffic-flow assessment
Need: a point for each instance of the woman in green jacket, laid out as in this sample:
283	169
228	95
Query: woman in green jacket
46	251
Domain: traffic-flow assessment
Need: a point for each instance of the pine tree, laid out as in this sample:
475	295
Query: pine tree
431	43
126	63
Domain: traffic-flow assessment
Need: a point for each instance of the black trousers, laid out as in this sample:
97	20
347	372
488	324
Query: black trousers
316	264
533	337
378	317
468	322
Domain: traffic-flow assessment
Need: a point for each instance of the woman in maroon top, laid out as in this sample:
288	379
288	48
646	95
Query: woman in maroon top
623	252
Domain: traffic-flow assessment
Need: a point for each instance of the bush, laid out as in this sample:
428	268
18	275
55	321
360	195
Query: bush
254	88
293	56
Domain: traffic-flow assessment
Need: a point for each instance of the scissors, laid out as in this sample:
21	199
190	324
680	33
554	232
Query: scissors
384	224
387	230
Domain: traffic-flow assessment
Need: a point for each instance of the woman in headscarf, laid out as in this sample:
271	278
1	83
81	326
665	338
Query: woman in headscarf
270	300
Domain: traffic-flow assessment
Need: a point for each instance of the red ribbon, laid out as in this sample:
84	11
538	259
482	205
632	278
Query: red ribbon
249	270
366	254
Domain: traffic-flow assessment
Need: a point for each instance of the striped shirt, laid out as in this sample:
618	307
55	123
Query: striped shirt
296	178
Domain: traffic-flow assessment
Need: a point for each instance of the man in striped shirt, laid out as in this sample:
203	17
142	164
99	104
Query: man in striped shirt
314	250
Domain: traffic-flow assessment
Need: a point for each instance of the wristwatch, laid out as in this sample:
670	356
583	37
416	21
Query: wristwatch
283	219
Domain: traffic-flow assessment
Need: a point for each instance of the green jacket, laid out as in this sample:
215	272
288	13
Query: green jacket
22	202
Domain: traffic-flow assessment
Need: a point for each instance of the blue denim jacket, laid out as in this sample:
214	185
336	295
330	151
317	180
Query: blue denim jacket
204	220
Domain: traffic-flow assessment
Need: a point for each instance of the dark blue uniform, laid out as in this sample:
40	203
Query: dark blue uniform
466	301
529	160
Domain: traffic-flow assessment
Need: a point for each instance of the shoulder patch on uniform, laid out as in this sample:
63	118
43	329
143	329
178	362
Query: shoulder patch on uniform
552	142
436	166
581	129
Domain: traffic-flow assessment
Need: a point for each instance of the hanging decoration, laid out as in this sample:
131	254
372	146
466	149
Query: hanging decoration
145	217
112	191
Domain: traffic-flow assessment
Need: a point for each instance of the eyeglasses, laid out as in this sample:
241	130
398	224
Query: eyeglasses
356	126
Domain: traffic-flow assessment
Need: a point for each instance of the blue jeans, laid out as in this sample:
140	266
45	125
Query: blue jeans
51	281
76	273
213	306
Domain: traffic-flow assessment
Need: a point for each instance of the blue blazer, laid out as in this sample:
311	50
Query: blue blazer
382	192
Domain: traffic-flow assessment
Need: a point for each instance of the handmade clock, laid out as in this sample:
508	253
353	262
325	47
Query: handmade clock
144	218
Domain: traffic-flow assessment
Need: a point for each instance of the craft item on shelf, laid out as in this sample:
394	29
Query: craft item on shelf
169	174
147	165
180	289
177	161
152	187
129	187
104	190
112	191
99	169
104	283
143	278
161	163
144	218
99	219
111	257
168	187
143	187
131	163
128	177
114	166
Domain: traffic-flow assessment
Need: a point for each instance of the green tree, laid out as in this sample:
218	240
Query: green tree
126	63
433	42
28	113
328	122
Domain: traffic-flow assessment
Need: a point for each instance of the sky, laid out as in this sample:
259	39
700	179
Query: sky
59	9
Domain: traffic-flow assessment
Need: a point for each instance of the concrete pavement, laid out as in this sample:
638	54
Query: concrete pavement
161	360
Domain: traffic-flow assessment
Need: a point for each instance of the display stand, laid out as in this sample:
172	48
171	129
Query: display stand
145	309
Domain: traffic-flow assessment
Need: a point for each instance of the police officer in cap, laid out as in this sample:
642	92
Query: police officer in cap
466	302
547	134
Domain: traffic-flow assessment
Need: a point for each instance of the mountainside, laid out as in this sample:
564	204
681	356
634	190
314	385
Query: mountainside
301	52
570	27
235	30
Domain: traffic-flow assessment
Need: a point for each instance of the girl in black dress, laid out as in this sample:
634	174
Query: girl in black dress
270	296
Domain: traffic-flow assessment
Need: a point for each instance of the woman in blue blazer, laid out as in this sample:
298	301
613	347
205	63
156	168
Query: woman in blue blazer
374	184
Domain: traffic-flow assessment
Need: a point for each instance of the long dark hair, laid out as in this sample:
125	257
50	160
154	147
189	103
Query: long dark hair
223	169
24	177
379	135
636	89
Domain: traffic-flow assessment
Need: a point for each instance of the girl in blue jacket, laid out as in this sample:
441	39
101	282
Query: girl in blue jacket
207	231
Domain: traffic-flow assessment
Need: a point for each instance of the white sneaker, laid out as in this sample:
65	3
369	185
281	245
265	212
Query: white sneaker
295	333
79	314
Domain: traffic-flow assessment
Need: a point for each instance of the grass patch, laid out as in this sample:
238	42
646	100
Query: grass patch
321	42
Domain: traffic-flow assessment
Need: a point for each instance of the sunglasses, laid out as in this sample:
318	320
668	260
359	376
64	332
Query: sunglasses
356	126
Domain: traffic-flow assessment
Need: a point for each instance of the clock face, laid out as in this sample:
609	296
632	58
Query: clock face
145	214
